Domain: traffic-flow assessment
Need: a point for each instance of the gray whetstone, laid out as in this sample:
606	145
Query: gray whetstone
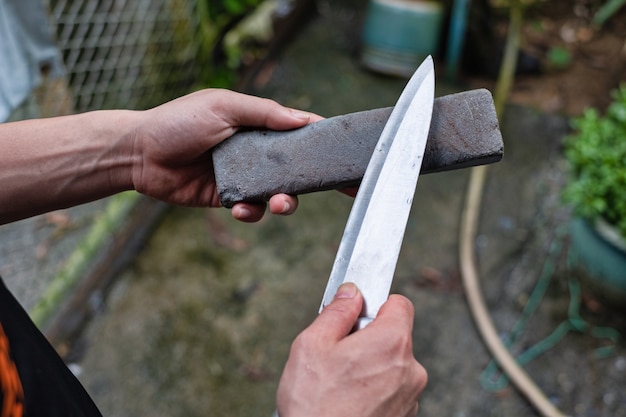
333	153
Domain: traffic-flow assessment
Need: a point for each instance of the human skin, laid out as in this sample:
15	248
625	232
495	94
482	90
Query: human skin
164	153
333	371
60	162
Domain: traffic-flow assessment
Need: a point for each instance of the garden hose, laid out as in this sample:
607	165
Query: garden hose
492	379
469	222
486	327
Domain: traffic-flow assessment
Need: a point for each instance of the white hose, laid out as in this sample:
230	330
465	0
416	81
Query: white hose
487	329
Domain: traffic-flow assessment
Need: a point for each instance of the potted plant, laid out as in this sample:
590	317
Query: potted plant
399	34
596	153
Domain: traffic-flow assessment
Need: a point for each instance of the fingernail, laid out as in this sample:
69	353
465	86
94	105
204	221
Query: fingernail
286	208
347	290
300	115
242	213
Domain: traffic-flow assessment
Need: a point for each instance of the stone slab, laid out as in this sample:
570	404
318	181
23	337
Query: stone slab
333	153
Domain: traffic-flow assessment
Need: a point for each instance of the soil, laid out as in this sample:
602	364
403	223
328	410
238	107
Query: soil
567	63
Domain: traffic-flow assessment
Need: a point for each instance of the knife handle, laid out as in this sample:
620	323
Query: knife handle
333	153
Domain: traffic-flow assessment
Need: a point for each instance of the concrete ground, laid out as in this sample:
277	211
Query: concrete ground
201	323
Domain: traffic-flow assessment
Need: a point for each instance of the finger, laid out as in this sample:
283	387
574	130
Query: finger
397	311
413	412
338	318
251	111
351	191
248	213
283	204
313	117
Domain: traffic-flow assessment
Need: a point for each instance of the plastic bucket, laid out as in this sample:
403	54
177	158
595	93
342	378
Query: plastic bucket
399	34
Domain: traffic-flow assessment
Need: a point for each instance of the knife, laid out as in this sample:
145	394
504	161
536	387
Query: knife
371	241
333	153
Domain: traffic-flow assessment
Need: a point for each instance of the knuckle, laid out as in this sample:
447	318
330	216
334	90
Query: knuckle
405	305
300	342
401	344
304	342
420	377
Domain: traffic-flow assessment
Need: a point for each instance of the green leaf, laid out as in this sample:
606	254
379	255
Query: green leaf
596	153
559	57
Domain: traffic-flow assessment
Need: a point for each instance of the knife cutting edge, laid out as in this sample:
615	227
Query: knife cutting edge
371	242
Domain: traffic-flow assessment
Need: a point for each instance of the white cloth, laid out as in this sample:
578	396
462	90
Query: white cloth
26	47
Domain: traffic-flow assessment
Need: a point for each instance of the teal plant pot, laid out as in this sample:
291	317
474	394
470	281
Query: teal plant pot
399	34
603	256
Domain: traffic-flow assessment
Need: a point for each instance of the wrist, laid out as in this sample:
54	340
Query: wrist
120	154
82	157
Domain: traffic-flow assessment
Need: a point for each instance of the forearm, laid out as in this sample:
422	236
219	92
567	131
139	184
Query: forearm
48	164
60	162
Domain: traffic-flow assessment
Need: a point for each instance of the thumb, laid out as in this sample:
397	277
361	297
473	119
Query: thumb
251	111
338	318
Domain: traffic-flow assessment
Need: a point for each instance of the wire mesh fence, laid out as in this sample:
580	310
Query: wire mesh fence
121	54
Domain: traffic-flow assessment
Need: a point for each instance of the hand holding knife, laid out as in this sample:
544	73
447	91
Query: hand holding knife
371	242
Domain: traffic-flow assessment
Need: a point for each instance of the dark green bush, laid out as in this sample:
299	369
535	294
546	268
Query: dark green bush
596	153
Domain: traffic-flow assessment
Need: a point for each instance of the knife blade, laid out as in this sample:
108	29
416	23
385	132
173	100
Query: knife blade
371	241
333	153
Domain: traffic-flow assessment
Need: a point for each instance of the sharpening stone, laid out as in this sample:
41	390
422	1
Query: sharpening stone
333	153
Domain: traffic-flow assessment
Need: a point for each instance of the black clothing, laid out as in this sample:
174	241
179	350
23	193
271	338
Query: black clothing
49	388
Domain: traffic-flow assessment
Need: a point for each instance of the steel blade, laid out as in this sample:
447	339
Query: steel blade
371	242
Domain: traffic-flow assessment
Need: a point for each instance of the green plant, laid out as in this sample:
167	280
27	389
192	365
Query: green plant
608	10
559	57
216	18
596	152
